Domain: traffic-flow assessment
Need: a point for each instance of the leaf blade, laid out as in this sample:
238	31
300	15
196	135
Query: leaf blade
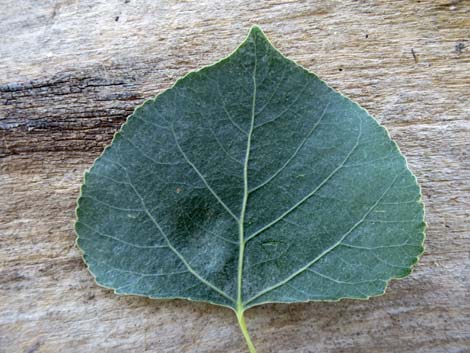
288	160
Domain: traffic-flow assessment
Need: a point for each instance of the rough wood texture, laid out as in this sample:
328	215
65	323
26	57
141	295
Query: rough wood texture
70	73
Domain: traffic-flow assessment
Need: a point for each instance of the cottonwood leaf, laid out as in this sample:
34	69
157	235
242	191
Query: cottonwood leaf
250	181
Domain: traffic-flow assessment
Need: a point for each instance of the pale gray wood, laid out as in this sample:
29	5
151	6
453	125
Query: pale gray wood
71	71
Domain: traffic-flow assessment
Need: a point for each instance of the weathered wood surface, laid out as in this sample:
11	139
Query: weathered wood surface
70	73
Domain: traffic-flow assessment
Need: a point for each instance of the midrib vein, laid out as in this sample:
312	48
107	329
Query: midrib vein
241	222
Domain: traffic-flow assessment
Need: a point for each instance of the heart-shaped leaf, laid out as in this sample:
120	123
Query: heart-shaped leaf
250	181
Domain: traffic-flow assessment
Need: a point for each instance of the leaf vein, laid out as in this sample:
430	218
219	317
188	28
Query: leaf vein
111	206
172	248
120	240
202	177
309	134
326	251
337	280
241	225
313	192
285	110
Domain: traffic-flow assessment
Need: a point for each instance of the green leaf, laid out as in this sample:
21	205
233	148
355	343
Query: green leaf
250	181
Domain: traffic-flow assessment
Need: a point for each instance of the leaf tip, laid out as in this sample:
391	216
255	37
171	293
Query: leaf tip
256	31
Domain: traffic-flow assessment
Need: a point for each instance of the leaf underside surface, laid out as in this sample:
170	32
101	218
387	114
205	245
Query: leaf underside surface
250	181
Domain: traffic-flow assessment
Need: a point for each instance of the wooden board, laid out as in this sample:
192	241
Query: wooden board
70	73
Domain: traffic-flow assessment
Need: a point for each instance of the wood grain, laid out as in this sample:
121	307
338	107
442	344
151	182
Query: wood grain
70	73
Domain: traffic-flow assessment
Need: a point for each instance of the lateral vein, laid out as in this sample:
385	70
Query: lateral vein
170	246
312	130
202	176
313	192
328	250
